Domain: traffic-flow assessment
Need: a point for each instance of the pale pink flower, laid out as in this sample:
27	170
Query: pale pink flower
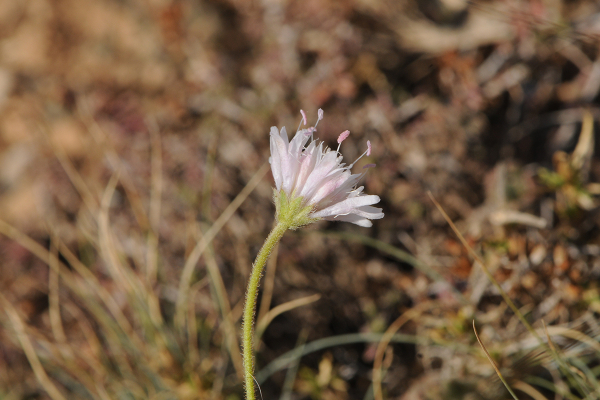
317	174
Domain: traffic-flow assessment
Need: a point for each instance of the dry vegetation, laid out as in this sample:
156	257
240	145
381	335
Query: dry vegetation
134	193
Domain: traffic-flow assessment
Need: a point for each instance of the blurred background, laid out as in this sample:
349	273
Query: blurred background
134	195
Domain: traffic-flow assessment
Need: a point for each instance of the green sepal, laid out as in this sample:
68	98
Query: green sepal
291	211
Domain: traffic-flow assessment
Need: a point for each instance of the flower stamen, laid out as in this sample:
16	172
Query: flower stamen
366	153
343	136
302	121
319	117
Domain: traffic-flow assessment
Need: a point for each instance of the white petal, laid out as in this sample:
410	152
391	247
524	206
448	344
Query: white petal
356	192
355	219
369	212
343	192
323	168
307	164
275	159
287	165
295	157
297	144
329	185
347	206
284	136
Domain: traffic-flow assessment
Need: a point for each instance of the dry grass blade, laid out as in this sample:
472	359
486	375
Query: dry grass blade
290	376
550	343
529	390
57	359
85	289
575	374
82	287
396	253
155	202
192	331
385	341
75	177
97	288
120	274
486	270
494	364
54	300
192	260
285	360
211	157
231	338
560	389
100	137
27	346
584	150
262	324
126	279
580	386
573	334
92	340
151	267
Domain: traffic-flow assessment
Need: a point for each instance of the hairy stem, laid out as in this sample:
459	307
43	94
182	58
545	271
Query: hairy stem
250	306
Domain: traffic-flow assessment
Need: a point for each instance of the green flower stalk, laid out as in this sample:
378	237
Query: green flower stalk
311	184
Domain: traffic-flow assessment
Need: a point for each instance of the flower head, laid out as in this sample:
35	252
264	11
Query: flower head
313	183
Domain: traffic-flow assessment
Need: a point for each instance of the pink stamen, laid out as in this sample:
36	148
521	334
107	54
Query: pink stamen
343	136
303	116
320	117
366	153
369	166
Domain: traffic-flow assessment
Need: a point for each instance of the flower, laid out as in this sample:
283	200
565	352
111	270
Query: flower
312	182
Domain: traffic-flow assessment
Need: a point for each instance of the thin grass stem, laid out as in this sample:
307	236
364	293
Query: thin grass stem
229	331
27	346
286	359
385	340
262	324
290	376
155	201
398	254
491	360
577	383
192	260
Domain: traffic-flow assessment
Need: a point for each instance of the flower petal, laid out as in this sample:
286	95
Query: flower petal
297	144
307	164
284	136
277	146
288	163
295	161
322	169
347	206
369	212
352	218
343	191
329	185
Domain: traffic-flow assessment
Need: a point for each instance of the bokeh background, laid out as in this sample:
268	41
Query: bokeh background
134	195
